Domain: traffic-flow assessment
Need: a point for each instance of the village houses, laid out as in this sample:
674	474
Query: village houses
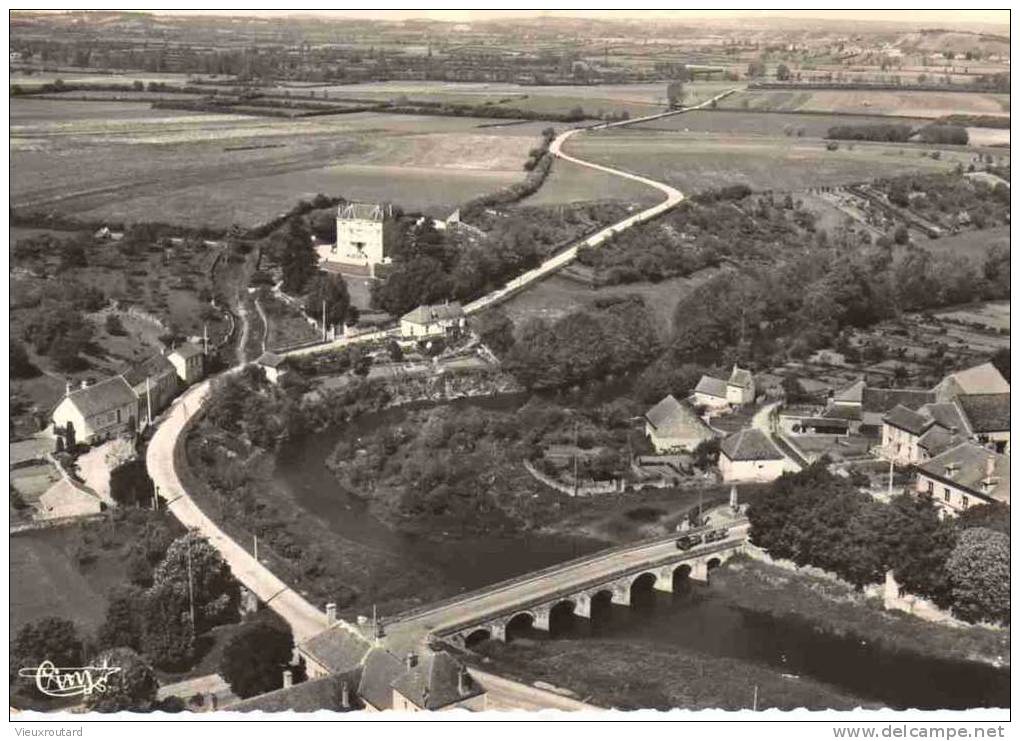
963	476
433	321
749	455
716	393
673	426
97	412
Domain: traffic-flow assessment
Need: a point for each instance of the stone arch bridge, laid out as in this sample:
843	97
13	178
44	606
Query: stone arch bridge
576	588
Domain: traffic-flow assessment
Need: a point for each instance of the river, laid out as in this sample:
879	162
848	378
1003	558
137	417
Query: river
700	620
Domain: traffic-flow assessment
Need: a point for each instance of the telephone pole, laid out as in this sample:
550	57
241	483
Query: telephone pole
191	590
324	320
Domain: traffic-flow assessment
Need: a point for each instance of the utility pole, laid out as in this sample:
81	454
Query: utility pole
256	548
754	705
205	338
148	401
324	320
575	458
191	590
890	477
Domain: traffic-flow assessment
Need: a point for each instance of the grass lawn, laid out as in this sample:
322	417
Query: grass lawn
48	581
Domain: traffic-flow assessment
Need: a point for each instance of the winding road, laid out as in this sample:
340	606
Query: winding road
305	619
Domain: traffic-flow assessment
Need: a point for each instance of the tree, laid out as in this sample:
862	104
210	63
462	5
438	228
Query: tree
675	93
756	69
978	571
131	689
50	639
20	365
782	73
919	543
297	256
193	564
254	660
495	329
123	625
330	289
167	639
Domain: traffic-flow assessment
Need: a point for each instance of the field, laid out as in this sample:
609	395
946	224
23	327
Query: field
102	160
919	104
569	182
971	244
993	314
557	296
50	584
699	162
765	124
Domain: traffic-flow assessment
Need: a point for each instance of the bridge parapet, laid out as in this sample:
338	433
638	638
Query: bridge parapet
581	596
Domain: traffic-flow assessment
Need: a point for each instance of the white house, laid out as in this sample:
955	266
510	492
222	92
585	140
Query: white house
188	360
98	412
433	321
274	366
963	476
155	382
715	393
671	426
749	455
364	236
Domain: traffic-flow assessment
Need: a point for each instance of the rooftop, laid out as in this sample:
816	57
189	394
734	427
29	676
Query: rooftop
270	360
882	400
437	680
945	415
938	439
711	386
907	419
107	395
852	394
152	367
741	377
365	211
325	693
966	466
380	670
338	648
435	313
981	379
986	412
750	445
186	350
672	418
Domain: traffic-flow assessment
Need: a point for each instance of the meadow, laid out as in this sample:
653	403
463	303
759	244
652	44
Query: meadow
123	161
764	123
919	104
698	162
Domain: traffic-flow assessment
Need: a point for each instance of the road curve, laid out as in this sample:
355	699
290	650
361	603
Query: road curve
304	619
567	256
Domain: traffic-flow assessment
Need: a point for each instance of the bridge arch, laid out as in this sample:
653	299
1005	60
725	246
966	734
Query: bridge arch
682	578
519	625
713	563
562	617
477	636
642	590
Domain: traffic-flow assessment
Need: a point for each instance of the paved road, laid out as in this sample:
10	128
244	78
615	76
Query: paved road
407	632
304	619
762	421
506	694
567	256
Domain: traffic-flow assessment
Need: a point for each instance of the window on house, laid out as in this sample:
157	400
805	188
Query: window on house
931	487
118	415
964	501
945	494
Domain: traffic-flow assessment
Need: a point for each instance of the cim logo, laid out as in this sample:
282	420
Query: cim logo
70	681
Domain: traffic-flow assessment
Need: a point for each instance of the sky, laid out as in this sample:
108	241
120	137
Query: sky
946	18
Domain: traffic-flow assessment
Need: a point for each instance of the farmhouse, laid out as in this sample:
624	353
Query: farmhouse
98	412
715	393
433	321
672	425
749	455
981	379
154	381
274	366
911	437
964	475
364	236
188	360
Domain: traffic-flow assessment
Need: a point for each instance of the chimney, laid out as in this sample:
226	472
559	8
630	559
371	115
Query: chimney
288	678
990	468
295	656
411	660
67	387
345	696
84	383
463	681
331	613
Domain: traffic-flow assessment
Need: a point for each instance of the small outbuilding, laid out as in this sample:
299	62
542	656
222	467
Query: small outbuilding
274	365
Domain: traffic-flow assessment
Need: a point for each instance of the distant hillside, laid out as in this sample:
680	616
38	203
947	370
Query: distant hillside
958	42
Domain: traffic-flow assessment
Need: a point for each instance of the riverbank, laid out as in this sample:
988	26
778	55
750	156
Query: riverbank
837	608
627	675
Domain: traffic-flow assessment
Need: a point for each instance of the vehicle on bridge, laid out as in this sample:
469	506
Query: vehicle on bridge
686	542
